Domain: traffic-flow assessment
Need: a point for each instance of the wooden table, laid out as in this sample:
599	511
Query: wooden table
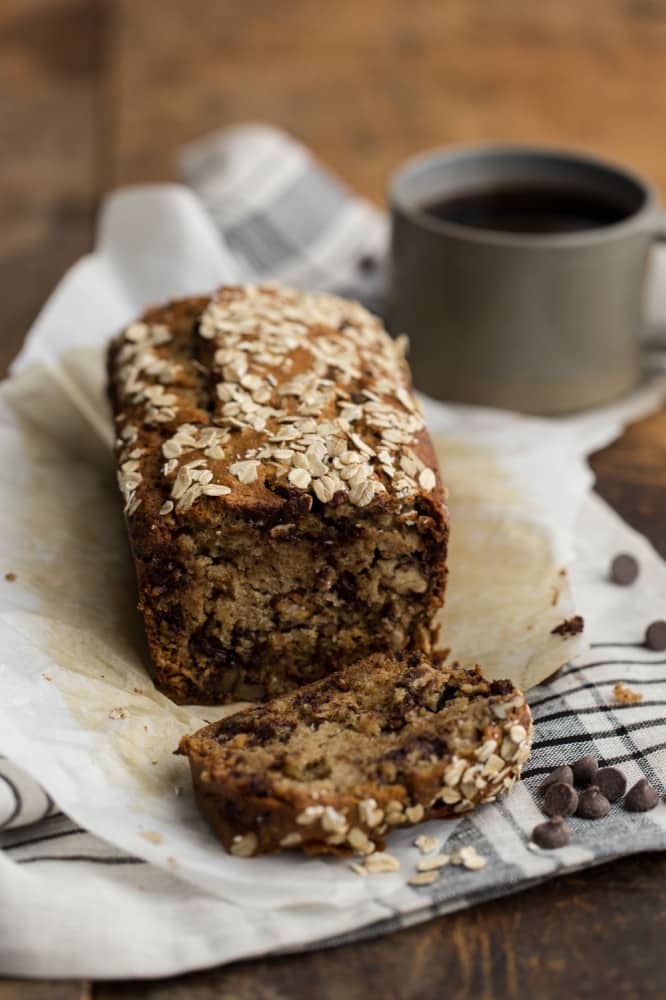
96	93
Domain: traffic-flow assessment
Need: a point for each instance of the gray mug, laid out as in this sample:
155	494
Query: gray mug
544	322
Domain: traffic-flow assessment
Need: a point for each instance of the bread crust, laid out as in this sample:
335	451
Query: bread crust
259	427
250	771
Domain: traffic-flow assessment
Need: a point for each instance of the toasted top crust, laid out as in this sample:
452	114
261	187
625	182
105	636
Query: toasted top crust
258	395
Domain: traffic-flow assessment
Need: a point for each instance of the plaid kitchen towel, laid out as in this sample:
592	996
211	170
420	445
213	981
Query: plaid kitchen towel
73	905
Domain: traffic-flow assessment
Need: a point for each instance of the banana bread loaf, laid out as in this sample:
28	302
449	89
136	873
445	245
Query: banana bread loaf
282	495
335	765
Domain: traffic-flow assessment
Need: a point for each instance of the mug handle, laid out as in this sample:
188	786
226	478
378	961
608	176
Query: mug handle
654	332
658	227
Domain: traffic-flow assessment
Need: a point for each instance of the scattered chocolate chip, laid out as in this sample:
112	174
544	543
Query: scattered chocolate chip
610	782
367	264
655	636
584	770
563	773
500	687
570	626
592	804
624	569
641	798
560	799
551	835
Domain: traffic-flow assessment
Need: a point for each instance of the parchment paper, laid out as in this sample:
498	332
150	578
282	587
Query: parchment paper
78	709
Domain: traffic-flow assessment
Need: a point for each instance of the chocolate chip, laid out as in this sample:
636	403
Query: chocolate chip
655	636
551	835
563	773
641	798
592	804
624	569
610	782
584	770
560	799
367	264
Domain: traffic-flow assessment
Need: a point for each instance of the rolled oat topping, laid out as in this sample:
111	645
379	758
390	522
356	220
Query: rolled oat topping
381	862
434	863
423	878
469	858
310	392
425	844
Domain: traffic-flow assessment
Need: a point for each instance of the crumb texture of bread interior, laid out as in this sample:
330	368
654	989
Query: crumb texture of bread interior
382	743
284	506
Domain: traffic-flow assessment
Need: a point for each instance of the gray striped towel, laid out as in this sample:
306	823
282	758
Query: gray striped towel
74	905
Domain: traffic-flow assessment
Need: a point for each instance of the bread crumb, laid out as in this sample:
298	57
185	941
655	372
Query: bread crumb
10	577
433	863
381	862
569	627
426	845
469	858
358	869
47	678
152	836
423	878
625	695
118	713
376	864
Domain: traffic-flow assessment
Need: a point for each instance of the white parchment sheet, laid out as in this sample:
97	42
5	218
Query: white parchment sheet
71	645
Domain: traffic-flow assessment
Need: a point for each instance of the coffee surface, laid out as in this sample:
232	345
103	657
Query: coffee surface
528	209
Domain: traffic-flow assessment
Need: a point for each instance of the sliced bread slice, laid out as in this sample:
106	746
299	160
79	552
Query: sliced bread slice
333	766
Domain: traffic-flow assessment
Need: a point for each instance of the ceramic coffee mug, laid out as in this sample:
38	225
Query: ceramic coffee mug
543	318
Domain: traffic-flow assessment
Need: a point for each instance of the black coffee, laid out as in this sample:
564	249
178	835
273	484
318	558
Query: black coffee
529	209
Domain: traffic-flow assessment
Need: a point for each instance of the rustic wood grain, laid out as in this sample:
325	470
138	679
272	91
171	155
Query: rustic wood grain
366	84
22	989
631	476
52	55
51	60
99	92
592	935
